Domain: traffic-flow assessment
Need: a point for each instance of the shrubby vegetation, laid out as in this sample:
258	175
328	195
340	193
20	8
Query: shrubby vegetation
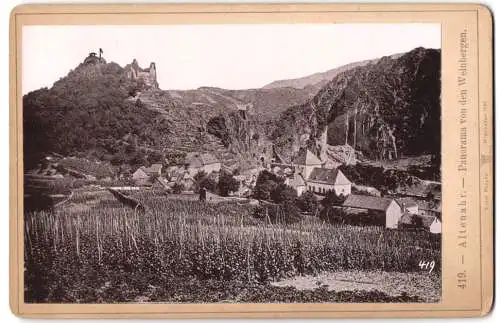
87	114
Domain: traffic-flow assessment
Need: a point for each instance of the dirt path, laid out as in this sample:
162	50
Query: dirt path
423	285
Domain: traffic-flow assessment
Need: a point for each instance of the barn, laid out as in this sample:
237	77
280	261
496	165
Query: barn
384	207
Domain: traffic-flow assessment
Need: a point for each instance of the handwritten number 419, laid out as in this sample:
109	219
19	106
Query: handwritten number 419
427	265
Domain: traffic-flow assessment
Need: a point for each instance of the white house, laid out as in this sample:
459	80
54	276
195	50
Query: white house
435	226
140	177
385	207
305	162
324	180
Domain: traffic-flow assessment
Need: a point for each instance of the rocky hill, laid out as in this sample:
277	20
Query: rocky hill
385	110
105	112
88	113
314	82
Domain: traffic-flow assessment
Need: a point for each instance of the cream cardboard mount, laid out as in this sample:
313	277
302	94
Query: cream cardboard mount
274	160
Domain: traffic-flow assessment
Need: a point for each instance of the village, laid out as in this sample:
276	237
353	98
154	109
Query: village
198	177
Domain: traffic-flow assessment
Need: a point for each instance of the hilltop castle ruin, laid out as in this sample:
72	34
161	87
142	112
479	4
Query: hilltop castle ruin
146	75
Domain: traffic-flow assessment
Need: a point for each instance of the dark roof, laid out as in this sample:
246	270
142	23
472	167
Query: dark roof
367	202
328	176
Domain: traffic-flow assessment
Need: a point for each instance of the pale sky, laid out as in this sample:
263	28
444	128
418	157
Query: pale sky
226	56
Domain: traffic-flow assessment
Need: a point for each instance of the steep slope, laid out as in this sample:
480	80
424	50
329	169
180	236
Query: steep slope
314	82
265	104
385	110
87	113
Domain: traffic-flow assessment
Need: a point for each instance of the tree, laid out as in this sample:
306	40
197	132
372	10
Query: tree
198	178
155	157
278	213
209	184
331	198
283	194
308	202
227	184
266	183
177	188
263	189
200	175
332	214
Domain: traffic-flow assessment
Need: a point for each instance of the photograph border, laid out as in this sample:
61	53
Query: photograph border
454	18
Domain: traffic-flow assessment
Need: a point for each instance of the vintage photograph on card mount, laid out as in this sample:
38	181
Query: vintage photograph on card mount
232	163
195	161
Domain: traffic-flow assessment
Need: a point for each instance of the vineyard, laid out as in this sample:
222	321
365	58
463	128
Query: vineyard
98	250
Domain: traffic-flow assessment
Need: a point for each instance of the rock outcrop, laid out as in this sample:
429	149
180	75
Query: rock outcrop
384	110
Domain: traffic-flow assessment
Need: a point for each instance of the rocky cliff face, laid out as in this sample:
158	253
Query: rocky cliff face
384	110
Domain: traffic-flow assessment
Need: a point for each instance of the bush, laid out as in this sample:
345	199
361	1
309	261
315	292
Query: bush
308	202
227	184
331	198
266	183
178	188
209	184
283	194
201	180
333	215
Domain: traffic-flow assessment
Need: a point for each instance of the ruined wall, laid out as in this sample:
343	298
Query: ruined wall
147	75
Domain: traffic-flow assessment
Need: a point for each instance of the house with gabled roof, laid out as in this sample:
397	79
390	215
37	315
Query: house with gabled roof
325	180
145	175
387	209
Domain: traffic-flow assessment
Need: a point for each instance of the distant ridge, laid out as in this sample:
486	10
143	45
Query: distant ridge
317	80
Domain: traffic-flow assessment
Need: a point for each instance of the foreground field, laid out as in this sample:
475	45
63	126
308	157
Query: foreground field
94	249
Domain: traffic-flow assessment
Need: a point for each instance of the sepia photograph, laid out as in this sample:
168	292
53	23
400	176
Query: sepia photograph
232	163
